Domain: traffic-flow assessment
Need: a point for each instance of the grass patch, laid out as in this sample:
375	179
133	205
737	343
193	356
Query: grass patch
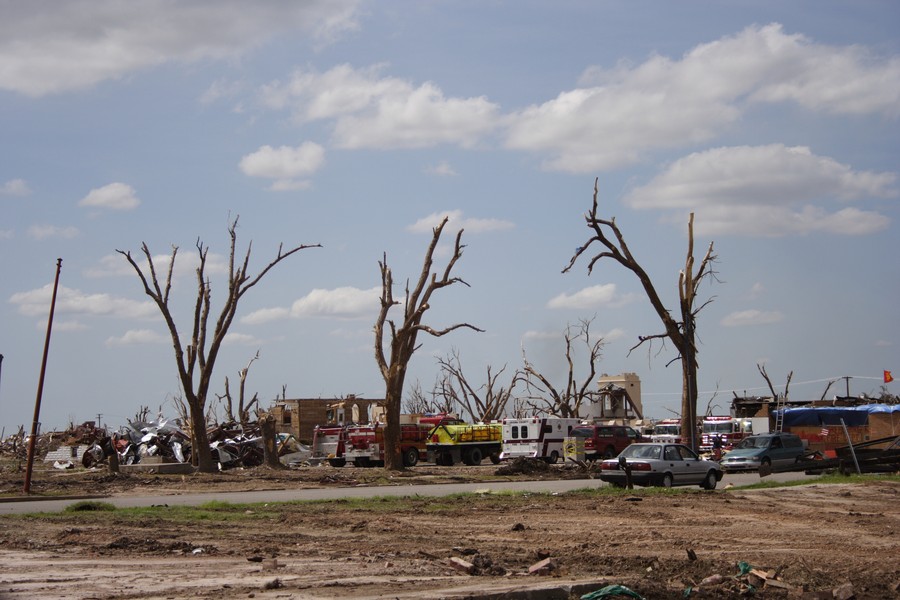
89	506
829	479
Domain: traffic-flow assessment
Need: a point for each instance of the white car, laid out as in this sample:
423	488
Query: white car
661	464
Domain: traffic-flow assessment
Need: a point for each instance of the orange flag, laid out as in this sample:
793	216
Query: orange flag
888	377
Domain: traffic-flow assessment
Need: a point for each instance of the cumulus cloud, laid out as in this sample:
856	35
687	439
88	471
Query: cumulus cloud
743	318
137	336
115	196
48	47
75	302
15	187
618	115
592	297
443	169
241	339
284	164
458	221
339	303
766	191
372	111
43	232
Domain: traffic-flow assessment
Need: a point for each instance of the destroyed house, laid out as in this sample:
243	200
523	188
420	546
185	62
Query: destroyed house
823	426
299	416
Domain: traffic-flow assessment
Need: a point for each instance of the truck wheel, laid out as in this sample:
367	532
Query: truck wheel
362	463
410	457
337	462
472	457
495	458
710	482
445	459
553	458
610	452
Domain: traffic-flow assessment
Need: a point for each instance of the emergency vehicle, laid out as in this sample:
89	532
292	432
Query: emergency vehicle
364	445
667	431
449	444
535	437
328	444
729	429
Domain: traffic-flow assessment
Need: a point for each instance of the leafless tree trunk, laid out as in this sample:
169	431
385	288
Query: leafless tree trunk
543	397
681	333
270	444
484	403
403	336
195	361
417	401
762	371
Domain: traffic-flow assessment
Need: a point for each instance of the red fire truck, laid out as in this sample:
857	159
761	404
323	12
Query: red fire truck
365	443
728	429
328	444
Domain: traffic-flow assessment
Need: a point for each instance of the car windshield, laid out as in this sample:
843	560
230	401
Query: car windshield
717	427
754	442
641	451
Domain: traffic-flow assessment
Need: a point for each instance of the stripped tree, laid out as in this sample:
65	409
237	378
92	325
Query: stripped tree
485	402
195	360
679	329
402	337
564	401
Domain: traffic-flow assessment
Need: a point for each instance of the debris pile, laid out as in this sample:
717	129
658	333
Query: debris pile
524	466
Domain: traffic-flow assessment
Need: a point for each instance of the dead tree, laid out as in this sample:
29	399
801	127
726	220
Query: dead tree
244	407
403	336
418	402
196	359
484	403
564	401
787	384
680	329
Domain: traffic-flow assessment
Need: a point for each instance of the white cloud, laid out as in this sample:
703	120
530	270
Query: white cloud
457	221
766	191
7	234
443	169
266	315
43	232
70	301
621	114
339	303
137	336
592	297
343	302
241	339
752	317
49	47
371	111
15	187
115	196
284	164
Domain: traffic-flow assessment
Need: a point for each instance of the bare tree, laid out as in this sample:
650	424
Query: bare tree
564	401
244	407
418	402
484	403
403	336
195	360
680	329
762	371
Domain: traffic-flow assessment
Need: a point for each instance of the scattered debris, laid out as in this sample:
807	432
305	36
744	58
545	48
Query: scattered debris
523	465
543	567
612	591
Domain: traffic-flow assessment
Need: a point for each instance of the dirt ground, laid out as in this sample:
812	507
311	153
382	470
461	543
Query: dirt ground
814	541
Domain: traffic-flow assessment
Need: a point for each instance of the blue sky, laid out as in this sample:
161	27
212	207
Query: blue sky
357	125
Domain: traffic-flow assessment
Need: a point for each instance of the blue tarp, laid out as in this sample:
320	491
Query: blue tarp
832	415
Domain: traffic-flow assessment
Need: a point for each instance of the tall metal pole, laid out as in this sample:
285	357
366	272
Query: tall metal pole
40	390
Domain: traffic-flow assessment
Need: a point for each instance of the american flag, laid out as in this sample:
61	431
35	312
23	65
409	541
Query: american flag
824	432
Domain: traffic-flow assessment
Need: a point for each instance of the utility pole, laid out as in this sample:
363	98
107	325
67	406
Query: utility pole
847	379
35	423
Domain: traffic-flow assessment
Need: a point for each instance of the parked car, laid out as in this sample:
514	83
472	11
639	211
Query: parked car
605	441
764	449
661	464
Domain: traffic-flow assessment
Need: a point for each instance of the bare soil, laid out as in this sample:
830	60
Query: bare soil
813	541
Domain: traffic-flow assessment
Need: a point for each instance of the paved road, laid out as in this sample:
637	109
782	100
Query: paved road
551	486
